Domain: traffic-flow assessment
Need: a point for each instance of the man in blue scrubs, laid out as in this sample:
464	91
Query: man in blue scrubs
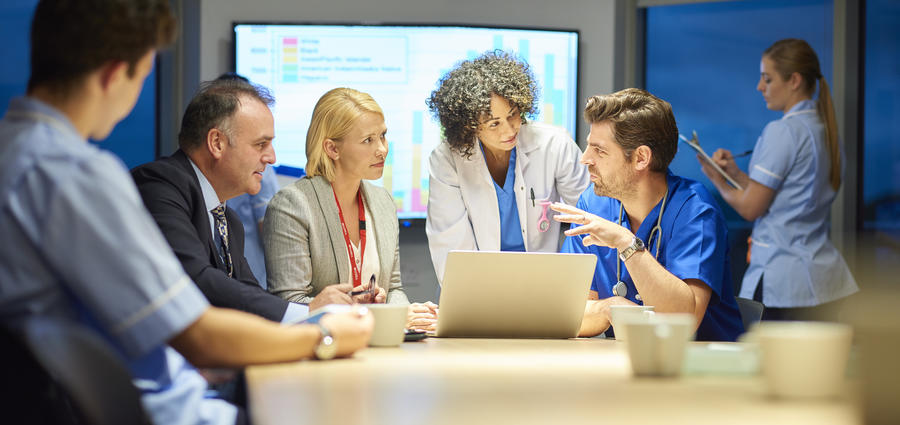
78	245
660	239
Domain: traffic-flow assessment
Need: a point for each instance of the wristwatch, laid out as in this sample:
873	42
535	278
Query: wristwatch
326	349
636	245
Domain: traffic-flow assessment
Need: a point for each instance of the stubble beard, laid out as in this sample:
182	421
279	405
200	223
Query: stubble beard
618	188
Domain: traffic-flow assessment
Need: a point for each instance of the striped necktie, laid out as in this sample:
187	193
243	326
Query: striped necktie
222	229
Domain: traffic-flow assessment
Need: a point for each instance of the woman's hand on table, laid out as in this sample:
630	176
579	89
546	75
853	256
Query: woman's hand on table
422	316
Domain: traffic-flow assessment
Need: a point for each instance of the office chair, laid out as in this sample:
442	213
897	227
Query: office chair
94	385
751	311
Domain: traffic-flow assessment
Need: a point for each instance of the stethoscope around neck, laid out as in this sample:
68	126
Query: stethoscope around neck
620	288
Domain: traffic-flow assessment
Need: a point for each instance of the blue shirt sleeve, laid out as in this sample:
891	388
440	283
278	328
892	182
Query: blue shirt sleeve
295	313
701	242
773	156
573	244
118	264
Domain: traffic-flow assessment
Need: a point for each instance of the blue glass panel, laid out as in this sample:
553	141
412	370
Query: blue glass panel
133	140
704	60
881	157
15	25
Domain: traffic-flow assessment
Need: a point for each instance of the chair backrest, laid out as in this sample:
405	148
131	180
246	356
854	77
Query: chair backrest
29	395
93	377
751	311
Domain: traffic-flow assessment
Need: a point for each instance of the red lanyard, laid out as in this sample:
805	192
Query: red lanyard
357	270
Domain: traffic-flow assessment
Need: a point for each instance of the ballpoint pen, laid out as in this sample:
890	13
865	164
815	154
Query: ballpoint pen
742	154
532	197
370	290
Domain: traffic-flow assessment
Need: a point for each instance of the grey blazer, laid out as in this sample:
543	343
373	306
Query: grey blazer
304	243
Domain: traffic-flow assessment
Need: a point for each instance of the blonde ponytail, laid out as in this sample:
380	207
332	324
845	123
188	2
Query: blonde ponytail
825	108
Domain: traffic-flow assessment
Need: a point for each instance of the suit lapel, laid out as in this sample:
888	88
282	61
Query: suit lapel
332	221
200	217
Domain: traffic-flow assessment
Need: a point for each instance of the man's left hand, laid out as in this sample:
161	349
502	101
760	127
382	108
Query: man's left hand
599	231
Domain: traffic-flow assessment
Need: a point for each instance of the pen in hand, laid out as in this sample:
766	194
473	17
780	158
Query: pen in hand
370	290
743	154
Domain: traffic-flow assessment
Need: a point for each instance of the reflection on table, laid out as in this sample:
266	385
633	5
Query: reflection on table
499	381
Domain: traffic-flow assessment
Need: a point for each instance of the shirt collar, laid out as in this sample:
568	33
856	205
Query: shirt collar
802	106
26	107
210	199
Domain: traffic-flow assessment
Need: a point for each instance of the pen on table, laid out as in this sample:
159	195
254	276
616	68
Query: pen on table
745	153
532	197
366	291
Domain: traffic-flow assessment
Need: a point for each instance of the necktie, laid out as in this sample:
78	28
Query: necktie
222	229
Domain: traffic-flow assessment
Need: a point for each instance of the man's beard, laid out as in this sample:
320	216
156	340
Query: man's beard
619	187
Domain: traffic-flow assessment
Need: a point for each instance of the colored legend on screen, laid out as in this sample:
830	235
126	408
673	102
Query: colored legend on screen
289	60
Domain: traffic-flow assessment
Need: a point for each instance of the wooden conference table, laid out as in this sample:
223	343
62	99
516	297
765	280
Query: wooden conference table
515	381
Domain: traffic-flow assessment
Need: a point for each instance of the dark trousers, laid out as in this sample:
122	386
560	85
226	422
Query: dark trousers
827	312
234	391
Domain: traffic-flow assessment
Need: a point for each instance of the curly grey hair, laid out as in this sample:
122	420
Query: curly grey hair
463	96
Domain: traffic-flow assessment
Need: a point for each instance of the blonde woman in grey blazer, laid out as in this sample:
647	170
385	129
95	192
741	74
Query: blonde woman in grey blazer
306	246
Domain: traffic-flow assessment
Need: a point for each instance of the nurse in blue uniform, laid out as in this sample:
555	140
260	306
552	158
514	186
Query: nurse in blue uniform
793	177
660	239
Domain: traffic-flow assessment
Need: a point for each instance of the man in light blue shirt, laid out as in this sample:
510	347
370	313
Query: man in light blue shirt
78	244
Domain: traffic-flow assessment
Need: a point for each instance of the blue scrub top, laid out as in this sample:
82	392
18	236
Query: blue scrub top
510	228
694	245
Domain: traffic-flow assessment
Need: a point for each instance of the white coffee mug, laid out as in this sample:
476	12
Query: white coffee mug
656	346
804	359
390	319
620	313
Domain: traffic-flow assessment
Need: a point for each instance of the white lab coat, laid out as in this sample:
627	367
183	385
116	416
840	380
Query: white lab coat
462	203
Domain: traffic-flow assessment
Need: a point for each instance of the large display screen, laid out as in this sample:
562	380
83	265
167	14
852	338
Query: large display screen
399	65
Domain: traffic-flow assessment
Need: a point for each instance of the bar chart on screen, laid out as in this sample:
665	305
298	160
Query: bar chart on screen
399	66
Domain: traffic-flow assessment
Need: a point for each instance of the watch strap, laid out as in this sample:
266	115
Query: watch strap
636	245
325	348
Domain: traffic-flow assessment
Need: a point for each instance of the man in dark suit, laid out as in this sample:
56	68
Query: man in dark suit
225	144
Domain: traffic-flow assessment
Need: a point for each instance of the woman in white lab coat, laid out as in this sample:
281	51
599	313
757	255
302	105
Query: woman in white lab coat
494	174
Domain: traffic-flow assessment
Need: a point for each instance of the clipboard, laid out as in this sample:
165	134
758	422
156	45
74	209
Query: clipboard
695	145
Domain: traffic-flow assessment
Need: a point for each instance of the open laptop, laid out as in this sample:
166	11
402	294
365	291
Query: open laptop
514	294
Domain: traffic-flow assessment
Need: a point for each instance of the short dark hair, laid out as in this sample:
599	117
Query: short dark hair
637	118
232	76
72	38
463	96
213	106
